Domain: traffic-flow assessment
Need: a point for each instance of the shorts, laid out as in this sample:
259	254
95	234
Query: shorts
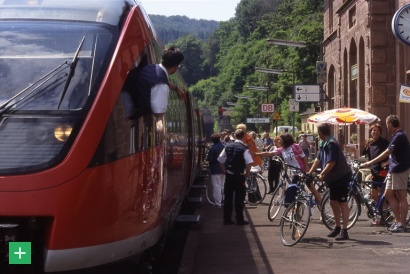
397	181
339	193
339	189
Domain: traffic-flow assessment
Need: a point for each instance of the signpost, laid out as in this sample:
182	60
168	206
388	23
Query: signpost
268	108
293	105
257	120
307	93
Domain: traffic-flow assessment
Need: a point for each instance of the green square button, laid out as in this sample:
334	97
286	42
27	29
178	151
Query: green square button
19	253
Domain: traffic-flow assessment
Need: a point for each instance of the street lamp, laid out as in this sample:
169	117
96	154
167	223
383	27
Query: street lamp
243	96
271	71
301	44
298	44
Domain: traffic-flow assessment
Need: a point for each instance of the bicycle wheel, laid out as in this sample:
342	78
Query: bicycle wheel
294	222
256	189
276	202
328	218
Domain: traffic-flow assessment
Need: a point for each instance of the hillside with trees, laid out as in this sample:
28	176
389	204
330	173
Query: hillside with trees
171	28
224	65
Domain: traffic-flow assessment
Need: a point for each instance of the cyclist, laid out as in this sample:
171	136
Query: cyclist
293	155
336	173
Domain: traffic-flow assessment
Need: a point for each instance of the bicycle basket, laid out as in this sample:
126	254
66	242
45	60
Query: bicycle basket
290	194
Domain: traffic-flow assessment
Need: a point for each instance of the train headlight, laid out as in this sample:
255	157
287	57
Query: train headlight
62	132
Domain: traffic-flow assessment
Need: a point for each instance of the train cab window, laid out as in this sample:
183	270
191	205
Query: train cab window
127	133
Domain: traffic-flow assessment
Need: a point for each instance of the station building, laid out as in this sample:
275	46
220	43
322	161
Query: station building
366	63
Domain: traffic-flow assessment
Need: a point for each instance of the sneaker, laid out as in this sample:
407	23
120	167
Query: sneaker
334	232
393	226
342	235
398	228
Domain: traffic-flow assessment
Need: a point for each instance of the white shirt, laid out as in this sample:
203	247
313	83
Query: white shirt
159	96
247	155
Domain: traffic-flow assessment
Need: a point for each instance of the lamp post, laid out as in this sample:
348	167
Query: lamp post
302	44
272	71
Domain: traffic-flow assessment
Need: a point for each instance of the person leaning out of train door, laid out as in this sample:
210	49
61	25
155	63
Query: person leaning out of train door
154	85
236	161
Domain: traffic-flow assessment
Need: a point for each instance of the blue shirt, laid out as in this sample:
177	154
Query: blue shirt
400	152
212	158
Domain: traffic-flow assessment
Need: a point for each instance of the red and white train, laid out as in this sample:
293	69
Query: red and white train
81	178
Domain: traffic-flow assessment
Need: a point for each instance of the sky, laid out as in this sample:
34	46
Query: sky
219	10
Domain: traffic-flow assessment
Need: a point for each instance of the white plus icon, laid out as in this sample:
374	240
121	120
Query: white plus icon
19	253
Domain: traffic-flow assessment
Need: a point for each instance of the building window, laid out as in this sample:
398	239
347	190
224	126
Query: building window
352	17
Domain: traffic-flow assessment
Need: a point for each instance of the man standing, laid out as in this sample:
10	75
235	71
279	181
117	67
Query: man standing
336	173
399	170
236	161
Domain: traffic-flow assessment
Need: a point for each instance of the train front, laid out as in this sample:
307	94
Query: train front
53	66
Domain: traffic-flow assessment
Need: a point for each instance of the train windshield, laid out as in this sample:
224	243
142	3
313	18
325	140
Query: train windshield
47	67
49	76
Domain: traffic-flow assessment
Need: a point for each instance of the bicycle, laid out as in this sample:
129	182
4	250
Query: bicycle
357	198
278	195
255	187
296	217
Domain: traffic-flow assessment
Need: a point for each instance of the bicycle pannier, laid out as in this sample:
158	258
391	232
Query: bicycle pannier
290	194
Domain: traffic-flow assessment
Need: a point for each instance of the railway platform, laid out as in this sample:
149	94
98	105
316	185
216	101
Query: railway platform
214	248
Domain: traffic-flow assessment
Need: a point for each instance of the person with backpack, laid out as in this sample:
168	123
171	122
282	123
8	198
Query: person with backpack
236	161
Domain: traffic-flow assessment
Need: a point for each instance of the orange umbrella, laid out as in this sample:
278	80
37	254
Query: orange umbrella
344	116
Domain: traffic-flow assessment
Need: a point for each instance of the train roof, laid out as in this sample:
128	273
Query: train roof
104	11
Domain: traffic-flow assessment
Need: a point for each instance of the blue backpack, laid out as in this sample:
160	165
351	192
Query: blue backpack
290	194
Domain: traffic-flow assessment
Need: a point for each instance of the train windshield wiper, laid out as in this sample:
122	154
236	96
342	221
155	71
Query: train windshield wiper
7	105
71	73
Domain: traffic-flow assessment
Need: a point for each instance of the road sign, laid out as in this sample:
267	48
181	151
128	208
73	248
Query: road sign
308	97
270	108
293	105
276	117
307	93
257	120
321	72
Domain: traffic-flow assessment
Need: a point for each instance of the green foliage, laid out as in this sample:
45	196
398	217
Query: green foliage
223	65
171	28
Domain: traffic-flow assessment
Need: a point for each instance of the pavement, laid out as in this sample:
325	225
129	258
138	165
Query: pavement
214	248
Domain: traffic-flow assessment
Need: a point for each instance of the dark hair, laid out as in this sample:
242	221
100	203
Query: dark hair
216	138
239	133
374	126
393	120
324	129
287	140
171	57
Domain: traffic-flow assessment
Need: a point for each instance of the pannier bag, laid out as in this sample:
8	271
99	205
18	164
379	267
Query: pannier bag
290	194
